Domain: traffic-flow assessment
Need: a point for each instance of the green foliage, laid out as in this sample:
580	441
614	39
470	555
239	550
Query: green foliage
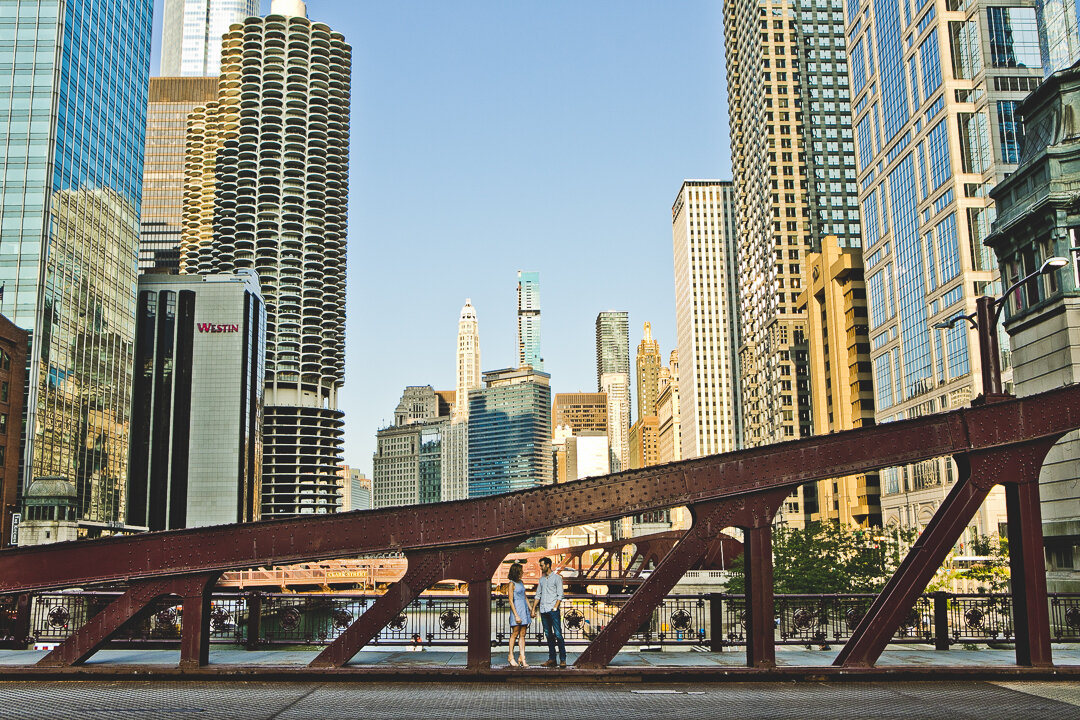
830	558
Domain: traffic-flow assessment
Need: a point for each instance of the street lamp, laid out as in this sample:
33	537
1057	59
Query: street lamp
985	319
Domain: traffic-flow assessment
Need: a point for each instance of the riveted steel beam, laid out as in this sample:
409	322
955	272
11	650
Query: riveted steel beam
528	512
473	564
979	472
710	519
194	590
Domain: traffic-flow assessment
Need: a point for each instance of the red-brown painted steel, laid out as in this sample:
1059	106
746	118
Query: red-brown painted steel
194	648
524	513
1031	615
760	604
979	472
474	564
710	519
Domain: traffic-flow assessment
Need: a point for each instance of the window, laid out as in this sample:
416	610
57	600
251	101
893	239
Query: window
1010	131
1014	37
3	423
4	391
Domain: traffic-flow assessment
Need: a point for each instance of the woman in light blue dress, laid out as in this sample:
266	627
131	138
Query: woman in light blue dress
520	615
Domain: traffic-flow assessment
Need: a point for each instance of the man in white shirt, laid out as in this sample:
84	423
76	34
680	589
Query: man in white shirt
548	598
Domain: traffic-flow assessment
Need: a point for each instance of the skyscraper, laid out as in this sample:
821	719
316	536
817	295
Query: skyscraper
581	412
171	99
793	161
265	187
196	415
648	373
407	467
468	359
643	437
841	389
706	317
669	430
191	33
935	103
1059	33
455	441
528	297
613	378
73	81
510	432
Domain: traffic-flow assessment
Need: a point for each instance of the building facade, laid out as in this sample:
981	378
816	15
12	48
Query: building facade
1039	218
455	441
161	219
707	317
191	32
14	345
69	231
934	91
613	379
1059	33
407	467
266	187
528	316
581	412
647	367
841	386
669	428
196	413
510	432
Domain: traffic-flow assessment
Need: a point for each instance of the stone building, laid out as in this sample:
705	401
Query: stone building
1039	218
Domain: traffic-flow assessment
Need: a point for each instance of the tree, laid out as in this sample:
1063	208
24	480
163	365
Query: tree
830	557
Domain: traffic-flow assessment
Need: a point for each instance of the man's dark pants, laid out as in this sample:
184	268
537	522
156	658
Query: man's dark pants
553	631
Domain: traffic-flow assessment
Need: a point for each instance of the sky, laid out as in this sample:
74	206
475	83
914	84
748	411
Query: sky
495	136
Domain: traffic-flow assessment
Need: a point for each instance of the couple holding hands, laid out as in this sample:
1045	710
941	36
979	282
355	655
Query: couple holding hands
547	600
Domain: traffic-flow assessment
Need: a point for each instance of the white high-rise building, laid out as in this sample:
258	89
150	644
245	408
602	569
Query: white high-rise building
455	443
265	187
706	317
468	360
191	33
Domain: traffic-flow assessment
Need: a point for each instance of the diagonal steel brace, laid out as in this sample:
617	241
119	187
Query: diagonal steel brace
474	564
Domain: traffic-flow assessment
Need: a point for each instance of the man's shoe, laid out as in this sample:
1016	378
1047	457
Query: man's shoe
562	665
548	663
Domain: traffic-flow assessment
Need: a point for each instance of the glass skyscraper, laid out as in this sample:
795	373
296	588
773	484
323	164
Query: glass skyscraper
73	93
510	432
528	294
935	91
613	378
191	33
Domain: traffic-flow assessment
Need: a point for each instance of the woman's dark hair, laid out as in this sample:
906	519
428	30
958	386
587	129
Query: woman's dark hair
515	572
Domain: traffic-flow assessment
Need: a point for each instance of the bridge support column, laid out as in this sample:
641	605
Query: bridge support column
710	519
90	638
1027	564
195	637
760	606
474	564
21	631
979	472
479	655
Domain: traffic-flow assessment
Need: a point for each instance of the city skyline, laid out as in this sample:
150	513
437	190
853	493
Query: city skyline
501	143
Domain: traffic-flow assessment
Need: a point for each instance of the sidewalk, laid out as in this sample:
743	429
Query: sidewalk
222	657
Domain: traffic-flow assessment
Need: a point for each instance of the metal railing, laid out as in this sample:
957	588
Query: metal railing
714	620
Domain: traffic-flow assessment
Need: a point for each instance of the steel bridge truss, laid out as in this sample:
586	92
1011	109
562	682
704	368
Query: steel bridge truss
1003	442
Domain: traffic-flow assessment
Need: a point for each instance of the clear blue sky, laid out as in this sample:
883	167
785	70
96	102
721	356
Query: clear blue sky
498	135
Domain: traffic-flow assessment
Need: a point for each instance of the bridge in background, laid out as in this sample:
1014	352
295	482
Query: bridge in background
1000	442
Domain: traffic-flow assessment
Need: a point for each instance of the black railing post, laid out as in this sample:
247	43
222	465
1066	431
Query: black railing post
716	622
254	619
941	620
